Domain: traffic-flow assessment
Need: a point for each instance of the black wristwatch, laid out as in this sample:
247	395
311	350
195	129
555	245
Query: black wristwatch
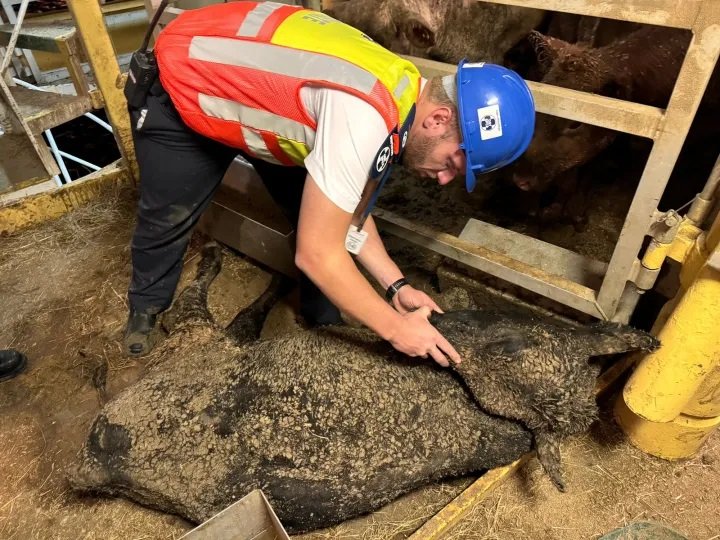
394	288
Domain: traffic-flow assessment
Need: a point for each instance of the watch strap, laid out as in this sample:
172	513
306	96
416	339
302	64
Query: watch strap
394	288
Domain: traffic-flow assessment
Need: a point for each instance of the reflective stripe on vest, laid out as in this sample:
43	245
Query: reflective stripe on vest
255	20
234	72
289	62
257	120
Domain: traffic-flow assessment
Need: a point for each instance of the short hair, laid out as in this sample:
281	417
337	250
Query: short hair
441	91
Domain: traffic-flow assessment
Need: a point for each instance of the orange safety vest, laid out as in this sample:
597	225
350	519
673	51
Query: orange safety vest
234	72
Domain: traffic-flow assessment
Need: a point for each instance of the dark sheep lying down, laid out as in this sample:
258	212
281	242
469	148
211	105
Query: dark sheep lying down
334	423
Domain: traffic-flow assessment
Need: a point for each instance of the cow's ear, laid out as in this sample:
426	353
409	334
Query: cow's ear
546	48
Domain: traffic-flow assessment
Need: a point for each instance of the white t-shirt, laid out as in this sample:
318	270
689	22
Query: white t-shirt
348	137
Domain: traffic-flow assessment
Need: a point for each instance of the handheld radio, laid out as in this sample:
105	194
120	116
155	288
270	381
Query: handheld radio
143	67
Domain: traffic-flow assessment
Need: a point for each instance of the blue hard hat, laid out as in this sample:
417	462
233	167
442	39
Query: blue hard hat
496	114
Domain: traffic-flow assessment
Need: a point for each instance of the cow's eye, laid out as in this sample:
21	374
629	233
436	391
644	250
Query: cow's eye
419	35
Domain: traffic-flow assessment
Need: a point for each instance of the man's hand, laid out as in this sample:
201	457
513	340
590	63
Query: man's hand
409	299
417	337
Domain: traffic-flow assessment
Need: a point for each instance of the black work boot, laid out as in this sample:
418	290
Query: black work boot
12	363
140	333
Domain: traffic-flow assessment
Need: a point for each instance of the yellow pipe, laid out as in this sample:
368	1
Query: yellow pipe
101	55
655	255
713	236
684	241
677	250
678	439
706	401
665	381
671	403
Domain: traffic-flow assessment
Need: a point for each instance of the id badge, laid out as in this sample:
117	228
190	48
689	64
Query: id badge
355	240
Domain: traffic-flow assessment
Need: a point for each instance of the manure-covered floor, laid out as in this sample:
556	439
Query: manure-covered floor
62	292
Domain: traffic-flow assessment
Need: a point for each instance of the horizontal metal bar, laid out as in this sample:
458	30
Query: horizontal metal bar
491	262
99	121
550	258
610	113
674	13
76	159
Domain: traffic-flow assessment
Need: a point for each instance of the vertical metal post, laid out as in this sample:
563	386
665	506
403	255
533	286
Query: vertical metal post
684	102
101	55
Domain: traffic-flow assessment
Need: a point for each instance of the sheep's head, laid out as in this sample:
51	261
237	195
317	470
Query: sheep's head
535	370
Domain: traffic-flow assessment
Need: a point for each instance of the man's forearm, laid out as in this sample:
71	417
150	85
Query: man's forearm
374	257
341	281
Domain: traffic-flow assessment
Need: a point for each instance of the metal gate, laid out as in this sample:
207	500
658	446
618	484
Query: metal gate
618	293
604	291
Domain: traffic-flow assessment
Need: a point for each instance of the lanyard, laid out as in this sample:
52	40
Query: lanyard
390	152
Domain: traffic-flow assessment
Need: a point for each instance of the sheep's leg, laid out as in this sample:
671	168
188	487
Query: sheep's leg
247	324
191	305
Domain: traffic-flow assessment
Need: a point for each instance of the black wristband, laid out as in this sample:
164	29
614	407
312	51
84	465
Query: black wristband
394	288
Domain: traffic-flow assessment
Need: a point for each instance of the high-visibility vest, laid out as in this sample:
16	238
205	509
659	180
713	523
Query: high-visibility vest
234	72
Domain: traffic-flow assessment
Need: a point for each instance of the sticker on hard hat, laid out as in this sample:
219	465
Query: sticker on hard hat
490	122
474	65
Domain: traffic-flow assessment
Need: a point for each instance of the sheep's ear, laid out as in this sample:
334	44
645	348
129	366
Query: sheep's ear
613	338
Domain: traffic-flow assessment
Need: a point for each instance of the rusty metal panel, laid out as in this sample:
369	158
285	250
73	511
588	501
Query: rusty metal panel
18	214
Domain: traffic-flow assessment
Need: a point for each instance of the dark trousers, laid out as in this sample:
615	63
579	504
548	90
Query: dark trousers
180	171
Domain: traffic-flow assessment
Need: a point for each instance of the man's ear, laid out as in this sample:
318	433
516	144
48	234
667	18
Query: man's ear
438	119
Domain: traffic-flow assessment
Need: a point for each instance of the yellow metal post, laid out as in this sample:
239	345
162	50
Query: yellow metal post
671	403
101	55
